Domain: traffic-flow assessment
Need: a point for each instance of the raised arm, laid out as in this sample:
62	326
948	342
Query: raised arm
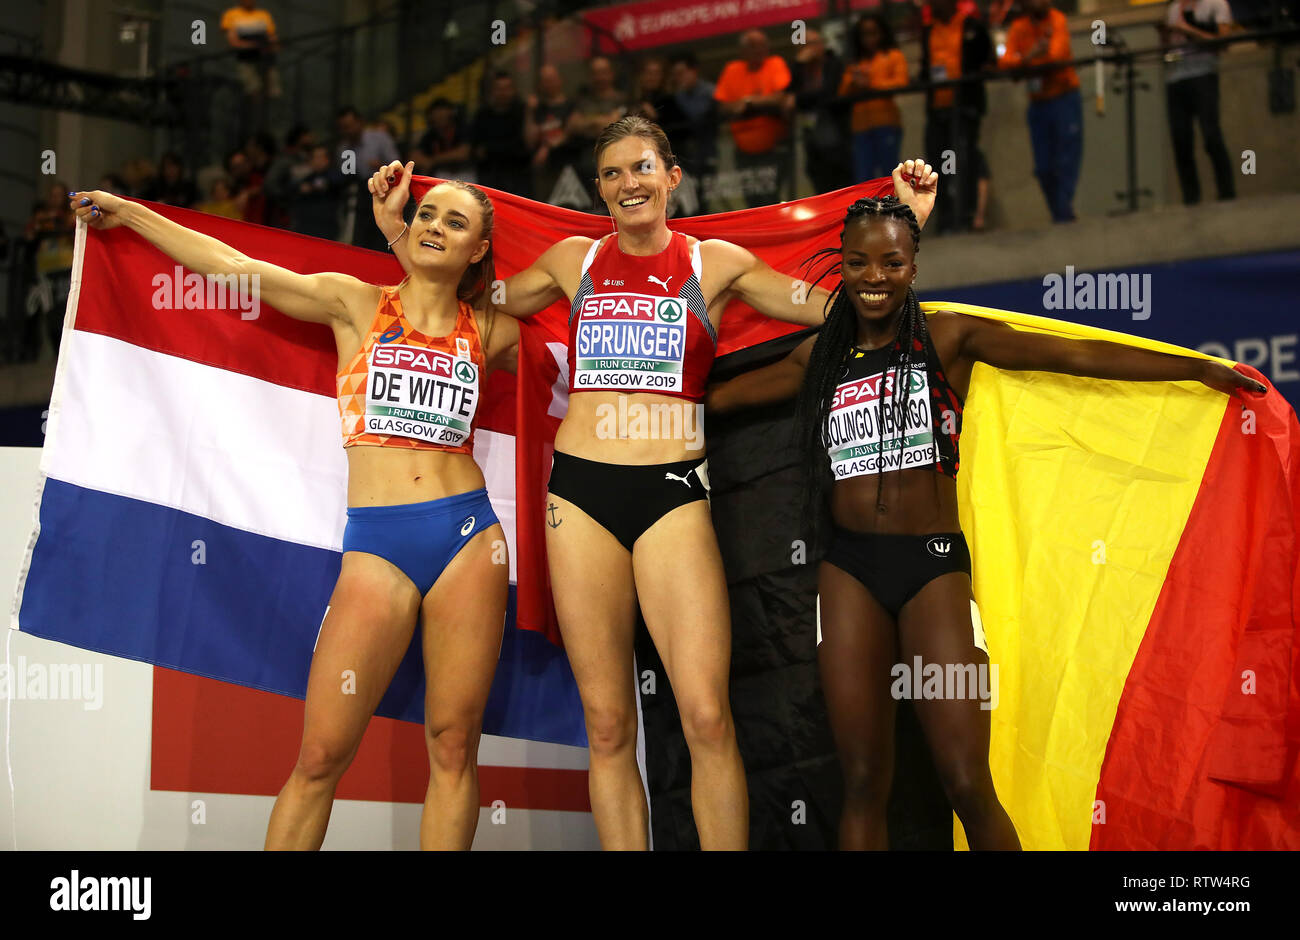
500	339
327	297
387	202
773	383
916	184
531	290
1001	346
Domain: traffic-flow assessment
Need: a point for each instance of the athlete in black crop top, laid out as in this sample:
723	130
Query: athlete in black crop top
881	389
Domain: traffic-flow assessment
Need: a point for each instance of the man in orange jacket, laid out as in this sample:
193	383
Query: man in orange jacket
1055	108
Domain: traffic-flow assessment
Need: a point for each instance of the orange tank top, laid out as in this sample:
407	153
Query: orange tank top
406	389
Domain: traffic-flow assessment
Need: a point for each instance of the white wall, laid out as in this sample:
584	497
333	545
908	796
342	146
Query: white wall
80	777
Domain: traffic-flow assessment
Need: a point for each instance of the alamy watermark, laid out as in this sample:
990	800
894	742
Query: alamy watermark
668	421
76	682
946	681
181	291
1073	291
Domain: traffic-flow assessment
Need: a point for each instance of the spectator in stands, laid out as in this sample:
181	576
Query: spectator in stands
546	131
979	219
371	147
815	87
968	7
443	149
1192	92
497	139
51	235
998	11
175	188
601	104
260	150
655	101
286	171
361	151
876	122
1055	114
250	31
141	178
220	200
953	44
314	209
751	92
696	144
247	184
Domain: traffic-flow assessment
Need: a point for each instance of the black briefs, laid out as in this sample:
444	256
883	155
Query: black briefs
895	567
627	499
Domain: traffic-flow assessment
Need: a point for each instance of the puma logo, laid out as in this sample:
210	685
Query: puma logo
684	480
664	283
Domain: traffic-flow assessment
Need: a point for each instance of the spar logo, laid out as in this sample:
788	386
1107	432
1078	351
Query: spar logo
464	372
869	388
414	359
619	307
670	311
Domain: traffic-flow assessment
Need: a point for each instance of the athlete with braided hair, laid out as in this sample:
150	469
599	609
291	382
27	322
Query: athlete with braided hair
880	391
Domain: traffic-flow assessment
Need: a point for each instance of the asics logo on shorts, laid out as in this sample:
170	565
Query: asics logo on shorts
939	547
664	283
468	527
683	479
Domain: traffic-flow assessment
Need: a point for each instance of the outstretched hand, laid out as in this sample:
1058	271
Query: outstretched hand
916	184
1228	380
97	209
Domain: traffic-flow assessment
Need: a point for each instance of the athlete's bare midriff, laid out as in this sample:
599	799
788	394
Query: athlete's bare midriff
600	427
917	502
392	476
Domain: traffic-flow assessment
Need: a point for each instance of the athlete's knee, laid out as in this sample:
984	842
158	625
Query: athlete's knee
322	761
706	723
610	731
866	781
968	786
452	746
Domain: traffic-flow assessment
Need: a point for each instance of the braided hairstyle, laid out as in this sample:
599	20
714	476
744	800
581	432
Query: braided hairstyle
826	362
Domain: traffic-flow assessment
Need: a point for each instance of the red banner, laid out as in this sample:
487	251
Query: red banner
661	22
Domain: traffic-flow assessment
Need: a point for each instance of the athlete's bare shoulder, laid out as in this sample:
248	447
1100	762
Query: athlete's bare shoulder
720	252
943	322
801	352
723	263
948	332
567	249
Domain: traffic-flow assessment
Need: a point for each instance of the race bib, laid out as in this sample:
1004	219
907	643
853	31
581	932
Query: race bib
629	343
863	438
423	393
